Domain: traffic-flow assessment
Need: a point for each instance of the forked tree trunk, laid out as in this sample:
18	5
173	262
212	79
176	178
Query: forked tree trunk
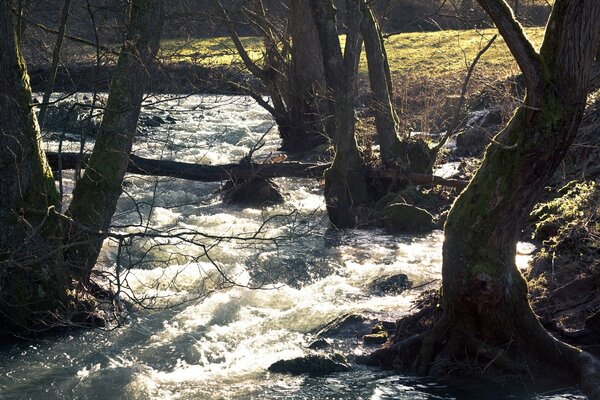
309	118
380	80
32	279
96	194
345	182
487	314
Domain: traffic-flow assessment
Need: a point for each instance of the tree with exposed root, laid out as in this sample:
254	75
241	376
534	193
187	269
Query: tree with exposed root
487	323
346	191
33	281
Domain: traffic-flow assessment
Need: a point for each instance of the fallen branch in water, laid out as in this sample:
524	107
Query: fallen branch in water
217	173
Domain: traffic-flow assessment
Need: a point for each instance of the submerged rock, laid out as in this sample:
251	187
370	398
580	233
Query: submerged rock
346	326
402	217
313	365
319	344
257	191
391	285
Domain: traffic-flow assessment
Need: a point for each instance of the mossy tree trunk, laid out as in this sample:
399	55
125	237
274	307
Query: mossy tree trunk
380	80
33	284
96	194
487	314
345	182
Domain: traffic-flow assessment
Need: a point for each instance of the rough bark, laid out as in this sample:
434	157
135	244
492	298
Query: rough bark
380	80
309	117
484	294
345	183
96	194
32	280
488	325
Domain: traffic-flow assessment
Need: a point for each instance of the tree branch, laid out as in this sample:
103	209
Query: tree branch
251	65
521	48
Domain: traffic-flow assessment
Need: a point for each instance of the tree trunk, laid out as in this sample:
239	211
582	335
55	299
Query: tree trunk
345	183
487	315
386	119
64	16
32	279
309	117
96	194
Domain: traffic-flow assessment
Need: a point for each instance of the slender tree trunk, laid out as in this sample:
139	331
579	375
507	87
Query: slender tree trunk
487	315
96	194
386	119
64	17
32	280
345	183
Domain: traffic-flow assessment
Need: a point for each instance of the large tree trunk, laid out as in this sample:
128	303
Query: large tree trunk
345	183
96	194
32	279
488	326
380	79
487	314
309	118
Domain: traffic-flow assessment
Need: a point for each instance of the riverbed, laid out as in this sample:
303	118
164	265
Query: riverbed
233	289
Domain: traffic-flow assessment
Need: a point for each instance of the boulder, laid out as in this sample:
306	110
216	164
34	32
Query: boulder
406	218
257	191
313	365
319	344
391	285
473	139
346	326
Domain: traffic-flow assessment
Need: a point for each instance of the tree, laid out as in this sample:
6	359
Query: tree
291	72
345	183
486	313
380	80
95	195
33	282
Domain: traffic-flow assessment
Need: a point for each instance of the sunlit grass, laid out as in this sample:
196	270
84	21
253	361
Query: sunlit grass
431	53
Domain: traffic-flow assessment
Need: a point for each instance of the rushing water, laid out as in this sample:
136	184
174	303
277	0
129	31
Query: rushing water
259	300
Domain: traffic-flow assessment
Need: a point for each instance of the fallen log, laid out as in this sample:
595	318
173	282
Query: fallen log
216	173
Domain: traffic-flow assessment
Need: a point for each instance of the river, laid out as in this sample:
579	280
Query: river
218	303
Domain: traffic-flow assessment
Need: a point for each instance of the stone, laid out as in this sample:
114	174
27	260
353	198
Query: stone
376	338
346	326
391	285
319	344
257	191
313	365
406	218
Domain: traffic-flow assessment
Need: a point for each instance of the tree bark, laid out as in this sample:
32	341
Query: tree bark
96	194
64	17
345	183
487	315
32	279
309	115
386	119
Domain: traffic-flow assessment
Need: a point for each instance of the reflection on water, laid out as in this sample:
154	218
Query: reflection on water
220	348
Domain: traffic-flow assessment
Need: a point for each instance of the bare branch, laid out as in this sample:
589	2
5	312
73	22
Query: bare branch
521	48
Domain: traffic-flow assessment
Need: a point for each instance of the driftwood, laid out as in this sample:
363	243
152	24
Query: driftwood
216	173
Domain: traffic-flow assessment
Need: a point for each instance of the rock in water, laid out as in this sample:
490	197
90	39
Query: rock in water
257	191
313	365
401	217
391	285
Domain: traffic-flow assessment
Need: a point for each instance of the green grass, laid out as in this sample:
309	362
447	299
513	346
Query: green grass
427	53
